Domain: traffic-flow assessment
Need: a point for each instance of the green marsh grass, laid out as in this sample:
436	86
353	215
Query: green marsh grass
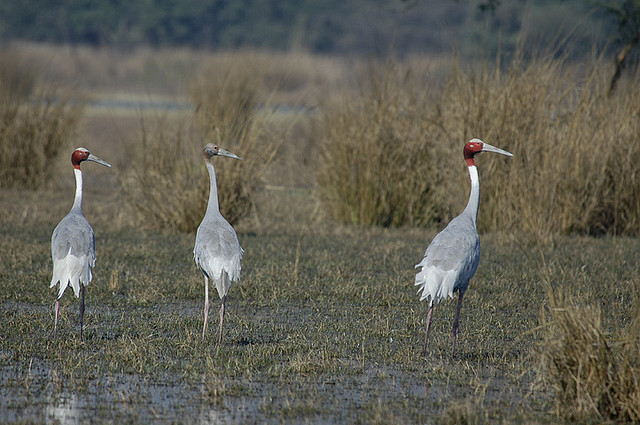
323	326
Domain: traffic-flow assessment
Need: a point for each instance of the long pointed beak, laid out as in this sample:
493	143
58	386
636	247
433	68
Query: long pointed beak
224	152
488	148
94	158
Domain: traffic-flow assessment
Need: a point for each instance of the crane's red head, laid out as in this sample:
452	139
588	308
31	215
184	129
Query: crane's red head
475	146
472	147
79	155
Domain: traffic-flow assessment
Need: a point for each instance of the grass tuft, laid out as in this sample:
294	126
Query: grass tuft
575	149
464	413
378	162
592	375
166	184
232	113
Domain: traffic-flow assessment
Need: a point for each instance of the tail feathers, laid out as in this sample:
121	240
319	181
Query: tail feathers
427	286
74	283
71	272
435	284
223	284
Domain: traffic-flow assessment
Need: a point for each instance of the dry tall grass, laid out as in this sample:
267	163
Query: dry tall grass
234	114
378	159
35	123
168	183
393	154
577	151
591	374
165	184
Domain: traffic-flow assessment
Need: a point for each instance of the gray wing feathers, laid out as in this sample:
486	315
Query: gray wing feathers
450	261
73	235
218	253
73	253
452	248
221	244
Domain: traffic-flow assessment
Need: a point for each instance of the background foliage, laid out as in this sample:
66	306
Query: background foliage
379	156
355	26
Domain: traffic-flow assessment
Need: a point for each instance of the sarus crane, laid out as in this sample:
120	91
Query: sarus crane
217	251
73	244
452	258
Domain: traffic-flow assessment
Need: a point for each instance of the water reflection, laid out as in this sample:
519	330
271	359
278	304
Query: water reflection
218	409
238	412
63	409
212	416
125	398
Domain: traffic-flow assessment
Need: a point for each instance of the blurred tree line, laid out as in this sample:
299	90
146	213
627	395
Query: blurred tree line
327	26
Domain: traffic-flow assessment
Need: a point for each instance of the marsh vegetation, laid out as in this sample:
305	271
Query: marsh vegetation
351	168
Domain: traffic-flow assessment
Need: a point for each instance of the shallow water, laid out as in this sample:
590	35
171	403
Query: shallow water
38	395
116	399
284	384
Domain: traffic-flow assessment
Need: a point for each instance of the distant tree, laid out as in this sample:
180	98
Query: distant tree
489	5
627	16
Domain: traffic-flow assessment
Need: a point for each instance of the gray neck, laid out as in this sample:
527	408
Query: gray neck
212	206
474	197
77	202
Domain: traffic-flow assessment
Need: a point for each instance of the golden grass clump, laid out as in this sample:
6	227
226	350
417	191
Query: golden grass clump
590	374
169	184
378	159
34	123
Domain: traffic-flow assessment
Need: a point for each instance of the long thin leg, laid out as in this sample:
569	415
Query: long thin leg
206	306
81	307
426	336
222	308
456	321
55	325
